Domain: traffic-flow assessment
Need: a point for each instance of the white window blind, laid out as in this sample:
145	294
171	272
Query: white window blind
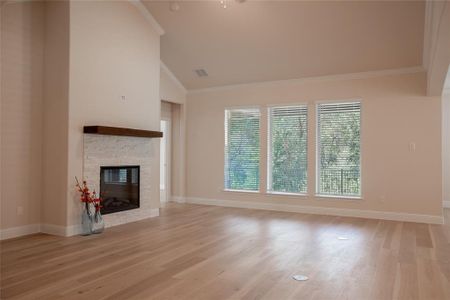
338	151
242	149
288	149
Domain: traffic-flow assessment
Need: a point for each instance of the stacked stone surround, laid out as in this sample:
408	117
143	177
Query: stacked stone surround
105	150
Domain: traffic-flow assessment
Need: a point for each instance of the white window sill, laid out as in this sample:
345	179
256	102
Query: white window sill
286	194
325	197
241	191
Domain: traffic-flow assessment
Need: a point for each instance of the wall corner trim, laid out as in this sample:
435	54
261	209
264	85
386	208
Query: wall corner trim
357	213
148	16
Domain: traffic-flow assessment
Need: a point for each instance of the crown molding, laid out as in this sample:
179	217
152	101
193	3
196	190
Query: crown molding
172	76
347	76
148	16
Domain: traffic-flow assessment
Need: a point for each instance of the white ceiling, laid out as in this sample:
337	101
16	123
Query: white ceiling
259	41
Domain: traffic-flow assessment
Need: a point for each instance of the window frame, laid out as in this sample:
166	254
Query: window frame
225	129
317	193
269	150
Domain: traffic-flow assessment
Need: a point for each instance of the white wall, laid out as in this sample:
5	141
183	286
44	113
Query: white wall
56	113
171	89
395	112
113	52
446	142
22	64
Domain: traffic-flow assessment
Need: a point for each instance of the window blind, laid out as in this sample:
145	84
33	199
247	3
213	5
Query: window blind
242	152
338	149
288	162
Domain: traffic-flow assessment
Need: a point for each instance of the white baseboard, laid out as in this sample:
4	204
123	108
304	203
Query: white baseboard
14	232
53	229
66	231
177	199
369	214
446	204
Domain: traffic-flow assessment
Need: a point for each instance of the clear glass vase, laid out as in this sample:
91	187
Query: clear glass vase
98	225
86	220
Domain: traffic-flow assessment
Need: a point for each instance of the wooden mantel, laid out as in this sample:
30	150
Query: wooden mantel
105	130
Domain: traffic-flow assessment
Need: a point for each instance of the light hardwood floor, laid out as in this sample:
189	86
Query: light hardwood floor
205	252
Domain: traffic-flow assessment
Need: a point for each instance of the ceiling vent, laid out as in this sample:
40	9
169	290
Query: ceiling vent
201	73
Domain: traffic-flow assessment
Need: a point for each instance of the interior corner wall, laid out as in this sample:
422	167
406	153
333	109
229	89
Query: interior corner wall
56	103
114	52
446	141
22	63
395	113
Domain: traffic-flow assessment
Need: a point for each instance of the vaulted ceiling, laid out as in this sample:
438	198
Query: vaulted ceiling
258	41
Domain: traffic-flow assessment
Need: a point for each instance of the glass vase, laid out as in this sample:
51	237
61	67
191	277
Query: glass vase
98	225
86	220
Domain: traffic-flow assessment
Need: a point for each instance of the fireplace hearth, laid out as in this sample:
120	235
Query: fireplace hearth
119	188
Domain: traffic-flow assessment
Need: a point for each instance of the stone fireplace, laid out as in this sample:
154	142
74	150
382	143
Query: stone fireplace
120	168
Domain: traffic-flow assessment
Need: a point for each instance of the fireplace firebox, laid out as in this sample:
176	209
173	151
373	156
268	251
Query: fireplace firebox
119	188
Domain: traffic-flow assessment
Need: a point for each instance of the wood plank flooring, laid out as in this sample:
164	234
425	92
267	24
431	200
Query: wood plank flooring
206	252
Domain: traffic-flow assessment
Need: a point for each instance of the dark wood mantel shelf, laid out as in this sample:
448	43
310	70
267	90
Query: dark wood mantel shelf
105	130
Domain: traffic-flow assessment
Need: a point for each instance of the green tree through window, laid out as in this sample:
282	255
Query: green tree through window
339	149
242	149
288	149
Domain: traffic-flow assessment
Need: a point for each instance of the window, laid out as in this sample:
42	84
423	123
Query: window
338	149
287	165
242	149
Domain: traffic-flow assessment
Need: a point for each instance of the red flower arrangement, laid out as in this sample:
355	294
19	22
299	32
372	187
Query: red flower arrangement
87	197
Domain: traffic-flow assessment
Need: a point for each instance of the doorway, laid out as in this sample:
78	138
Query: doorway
165	155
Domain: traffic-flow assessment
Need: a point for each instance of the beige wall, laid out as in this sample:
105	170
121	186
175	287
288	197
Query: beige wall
114	52
171	89
166	110
22	57
446	141
56	101
395	112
